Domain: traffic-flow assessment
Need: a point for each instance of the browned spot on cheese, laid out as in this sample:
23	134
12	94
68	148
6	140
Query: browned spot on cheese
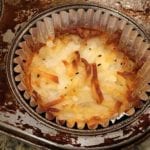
52	103
47	75
96	91
126	74
87	66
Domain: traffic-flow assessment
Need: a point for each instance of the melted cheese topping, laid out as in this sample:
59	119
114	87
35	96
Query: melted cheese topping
82	79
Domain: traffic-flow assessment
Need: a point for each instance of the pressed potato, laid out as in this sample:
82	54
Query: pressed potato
82	77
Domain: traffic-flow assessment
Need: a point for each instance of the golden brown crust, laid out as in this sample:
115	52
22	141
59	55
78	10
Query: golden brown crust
83	32
91	75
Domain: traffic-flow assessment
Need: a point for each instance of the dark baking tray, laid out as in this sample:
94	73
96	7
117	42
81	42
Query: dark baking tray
16	122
